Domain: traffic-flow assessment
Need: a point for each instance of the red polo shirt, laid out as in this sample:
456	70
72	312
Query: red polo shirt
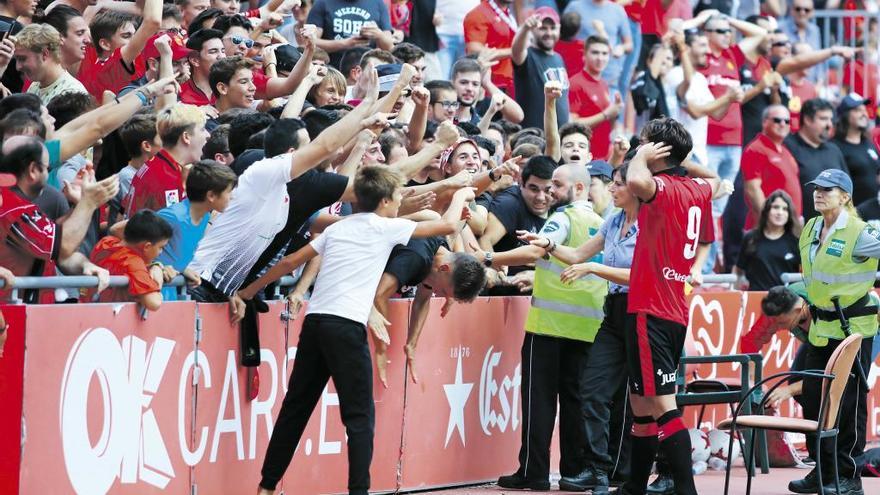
110	75
483	25
109	253
800	93
652	19
775	167
572	53
192	95
587	97
156	185
722	72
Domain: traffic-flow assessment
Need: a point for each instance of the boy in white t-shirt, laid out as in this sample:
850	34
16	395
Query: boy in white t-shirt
333	340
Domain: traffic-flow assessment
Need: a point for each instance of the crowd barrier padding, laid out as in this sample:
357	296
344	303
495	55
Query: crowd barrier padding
97	400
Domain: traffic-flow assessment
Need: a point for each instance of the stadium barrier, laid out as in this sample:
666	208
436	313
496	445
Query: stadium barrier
99	400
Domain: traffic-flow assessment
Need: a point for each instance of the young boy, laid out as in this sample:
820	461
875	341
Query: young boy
144	237
333	341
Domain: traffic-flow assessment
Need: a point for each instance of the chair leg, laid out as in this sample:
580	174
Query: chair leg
747	449
750	461
836	473
819	461
700	417
727	470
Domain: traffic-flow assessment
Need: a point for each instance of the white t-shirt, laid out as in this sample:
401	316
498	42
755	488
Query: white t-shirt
453	12
236	238
698	93
355	251
66	83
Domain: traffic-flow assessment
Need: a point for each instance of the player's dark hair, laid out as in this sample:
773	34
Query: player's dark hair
281	136
375	183
672	133
540	166
779	299
468	277
146	226
208	175
243	126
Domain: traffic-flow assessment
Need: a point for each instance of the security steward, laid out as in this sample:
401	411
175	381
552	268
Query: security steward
560	328
839	253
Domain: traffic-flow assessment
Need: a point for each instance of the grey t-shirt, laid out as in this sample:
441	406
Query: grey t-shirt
616	24
342	19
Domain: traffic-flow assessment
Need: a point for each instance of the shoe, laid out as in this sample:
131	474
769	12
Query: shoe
589	479
809	484
662	485
517	482
848	486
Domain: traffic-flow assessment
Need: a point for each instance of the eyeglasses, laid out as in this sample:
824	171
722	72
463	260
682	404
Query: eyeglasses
805	10
448	105
237	40
718	31
780	120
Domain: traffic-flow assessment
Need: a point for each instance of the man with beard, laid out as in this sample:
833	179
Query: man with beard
851	136
560	328
591	103
467	79
812	149
535	65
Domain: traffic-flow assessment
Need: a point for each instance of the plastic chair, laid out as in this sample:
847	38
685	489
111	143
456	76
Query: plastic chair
836	375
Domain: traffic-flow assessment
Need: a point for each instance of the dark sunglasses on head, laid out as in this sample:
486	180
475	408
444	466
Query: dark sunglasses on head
718	31
237	40
780	120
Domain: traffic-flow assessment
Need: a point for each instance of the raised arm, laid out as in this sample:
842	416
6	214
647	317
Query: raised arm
282	86
806	60
754	36
152	21
447	135
552	92
520	47
449	222
421	98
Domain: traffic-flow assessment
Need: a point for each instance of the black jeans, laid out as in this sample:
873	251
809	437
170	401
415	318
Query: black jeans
329	347
552	370
853	410
607	412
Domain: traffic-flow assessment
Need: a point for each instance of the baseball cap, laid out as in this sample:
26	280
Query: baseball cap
178	47
287	56
833	178
600	168
850	101
198	38
388	75
547	13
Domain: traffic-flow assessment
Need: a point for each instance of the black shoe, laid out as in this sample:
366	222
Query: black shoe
809	484
589	478
516	482
662	485
848	486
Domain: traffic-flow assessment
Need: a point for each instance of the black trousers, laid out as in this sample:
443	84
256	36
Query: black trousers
853	410
329	347
552	371
607	412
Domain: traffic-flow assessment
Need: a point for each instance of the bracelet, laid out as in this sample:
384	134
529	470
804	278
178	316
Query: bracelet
271	63
143	97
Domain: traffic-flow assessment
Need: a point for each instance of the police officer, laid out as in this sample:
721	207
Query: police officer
560	327
839	254
606	415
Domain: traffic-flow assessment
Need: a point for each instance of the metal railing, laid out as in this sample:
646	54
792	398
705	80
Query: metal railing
847	28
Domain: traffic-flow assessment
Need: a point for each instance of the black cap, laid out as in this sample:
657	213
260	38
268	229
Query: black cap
287	56
198	38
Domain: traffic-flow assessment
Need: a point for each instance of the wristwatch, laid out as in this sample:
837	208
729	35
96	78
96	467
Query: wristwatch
492	176
487	260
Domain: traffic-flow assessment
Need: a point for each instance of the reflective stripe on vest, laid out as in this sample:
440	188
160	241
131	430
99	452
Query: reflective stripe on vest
834	275
571	311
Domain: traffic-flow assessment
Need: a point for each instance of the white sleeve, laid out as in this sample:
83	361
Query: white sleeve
261	177
399	230
699	92
319	243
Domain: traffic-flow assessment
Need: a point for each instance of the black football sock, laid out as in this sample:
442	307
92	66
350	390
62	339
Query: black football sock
675	442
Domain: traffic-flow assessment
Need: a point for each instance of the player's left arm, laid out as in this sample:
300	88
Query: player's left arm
418	314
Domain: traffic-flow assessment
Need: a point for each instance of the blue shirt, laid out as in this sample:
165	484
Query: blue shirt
618	252
181	248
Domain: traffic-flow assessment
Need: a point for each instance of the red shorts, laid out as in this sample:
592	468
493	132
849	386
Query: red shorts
653	351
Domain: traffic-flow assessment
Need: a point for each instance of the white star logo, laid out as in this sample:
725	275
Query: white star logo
457	395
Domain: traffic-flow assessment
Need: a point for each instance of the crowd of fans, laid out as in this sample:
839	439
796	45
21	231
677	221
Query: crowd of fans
153	139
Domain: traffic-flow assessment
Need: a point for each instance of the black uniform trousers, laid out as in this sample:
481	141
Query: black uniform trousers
552	368
853	410
607	412
329	347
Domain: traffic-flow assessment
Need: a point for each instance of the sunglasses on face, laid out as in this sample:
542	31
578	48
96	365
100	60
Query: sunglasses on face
237	40
805	10
718	31
780	120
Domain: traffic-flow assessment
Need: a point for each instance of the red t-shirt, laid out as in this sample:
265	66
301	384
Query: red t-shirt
28	236
110	75
800	93
572	53
192	95
482	25
109	253
775	167
156	185
671	226
652	18
633	11
856	74
722	72
587	97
